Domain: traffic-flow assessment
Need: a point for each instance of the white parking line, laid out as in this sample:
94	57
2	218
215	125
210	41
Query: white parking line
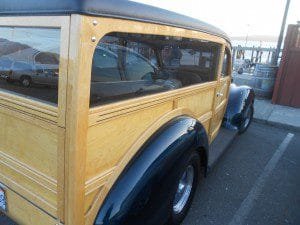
246	206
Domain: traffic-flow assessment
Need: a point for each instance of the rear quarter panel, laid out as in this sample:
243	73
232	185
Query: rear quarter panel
117	132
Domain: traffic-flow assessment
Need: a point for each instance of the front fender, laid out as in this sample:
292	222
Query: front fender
239	98
138	196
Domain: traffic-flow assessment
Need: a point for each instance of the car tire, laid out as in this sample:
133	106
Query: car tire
240	71
25	81
247	119
183	190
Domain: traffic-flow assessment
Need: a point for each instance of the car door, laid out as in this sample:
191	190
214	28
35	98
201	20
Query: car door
222	92
5	67
52	75
39	75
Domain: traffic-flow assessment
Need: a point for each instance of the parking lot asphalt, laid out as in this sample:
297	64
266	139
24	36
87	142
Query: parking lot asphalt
255	182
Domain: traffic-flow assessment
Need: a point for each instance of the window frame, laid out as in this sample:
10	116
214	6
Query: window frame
94	29
228	63
30	105
221	42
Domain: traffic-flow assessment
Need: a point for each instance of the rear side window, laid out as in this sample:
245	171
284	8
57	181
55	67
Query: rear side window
29	62
131	65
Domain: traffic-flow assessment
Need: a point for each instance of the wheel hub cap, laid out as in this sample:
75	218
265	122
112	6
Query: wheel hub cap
247	117
184	189
25	82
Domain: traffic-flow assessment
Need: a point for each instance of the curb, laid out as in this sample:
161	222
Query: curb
277	124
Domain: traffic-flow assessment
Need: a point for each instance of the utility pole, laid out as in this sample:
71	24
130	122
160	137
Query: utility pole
248	25
280	38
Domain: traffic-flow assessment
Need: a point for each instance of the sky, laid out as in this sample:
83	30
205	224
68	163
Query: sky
236	17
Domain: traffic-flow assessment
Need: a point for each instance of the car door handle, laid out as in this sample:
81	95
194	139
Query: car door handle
219	94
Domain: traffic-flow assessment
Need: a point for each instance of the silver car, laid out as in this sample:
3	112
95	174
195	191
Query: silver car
28	73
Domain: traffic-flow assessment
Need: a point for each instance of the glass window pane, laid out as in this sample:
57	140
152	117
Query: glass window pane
132	65
105	66
29	62
137	66
225	66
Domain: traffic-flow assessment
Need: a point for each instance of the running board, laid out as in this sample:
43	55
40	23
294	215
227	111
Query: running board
220	145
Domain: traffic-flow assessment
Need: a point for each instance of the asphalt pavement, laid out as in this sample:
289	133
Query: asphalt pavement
255	182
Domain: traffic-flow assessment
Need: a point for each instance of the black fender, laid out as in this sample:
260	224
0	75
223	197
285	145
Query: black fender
138	195
239	98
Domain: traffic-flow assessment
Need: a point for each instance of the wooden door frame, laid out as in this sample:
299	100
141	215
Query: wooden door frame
216	108
213	131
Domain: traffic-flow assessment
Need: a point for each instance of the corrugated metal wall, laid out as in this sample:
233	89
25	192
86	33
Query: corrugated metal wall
287	86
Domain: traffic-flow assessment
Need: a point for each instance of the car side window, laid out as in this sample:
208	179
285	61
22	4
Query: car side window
129	65
225	66
105	66
26	52
39	69
137	67
5	63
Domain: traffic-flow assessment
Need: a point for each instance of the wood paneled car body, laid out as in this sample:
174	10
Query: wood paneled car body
124	137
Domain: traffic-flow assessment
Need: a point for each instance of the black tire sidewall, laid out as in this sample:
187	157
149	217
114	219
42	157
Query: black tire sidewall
243	129
240	71
25	78
191	158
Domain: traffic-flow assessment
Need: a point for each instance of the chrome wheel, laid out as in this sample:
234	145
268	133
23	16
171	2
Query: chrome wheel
25	82
247	117
184	190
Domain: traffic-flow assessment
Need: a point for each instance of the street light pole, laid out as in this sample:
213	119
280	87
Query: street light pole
248	25
280	38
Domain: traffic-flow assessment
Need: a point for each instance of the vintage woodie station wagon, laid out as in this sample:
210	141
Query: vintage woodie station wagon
108	109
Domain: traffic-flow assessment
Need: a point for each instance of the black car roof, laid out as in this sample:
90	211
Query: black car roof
108	8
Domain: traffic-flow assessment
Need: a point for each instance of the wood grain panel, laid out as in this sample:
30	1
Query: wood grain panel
205	120
105	112
24	213
90	198
28	160
30	179
98	181
94	186
29	107
109	141
129	154
199	103
206	125
218	118
223	89
76	123
30	144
